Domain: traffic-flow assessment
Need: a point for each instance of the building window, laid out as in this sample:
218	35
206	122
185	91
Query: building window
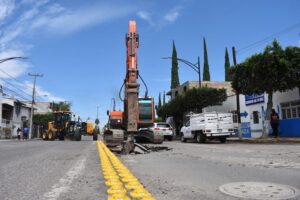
255	117
290	110
283	114
234	116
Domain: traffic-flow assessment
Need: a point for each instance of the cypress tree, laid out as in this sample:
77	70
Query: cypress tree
227	66
174	76
159	101
206	74
164	98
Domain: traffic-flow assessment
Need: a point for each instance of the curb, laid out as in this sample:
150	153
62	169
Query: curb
265	141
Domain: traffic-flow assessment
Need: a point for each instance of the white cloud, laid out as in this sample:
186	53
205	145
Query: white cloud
42	16
145	16
13	67
6	8
59	20
41	93
172	15
160	20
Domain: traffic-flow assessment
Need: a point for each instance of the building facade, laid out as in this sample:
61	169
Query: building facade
253	112
14	115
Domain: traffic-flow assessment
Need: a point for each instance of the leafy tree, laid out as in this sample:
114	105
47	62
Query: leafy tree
227	66
270	71
42	119
193	100
206	74
61	106
159	101
174	76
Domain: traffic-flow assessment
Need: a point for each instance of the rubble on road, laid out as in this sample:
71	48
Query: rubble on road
142	149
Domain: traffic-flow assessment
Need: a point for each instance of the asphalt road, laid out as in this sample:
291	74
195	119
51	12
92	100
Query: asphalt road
50	170
65	170
196	171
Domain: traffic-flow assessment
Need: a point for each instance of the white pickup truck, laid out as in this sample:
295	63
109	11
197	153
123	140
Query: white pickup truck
209	125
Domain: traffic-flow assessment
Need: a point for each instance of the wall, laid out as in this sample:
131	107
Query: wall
17	119
288	127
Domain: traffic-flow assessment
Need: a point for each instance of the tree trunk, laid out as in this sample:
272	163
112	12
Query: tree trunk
266	128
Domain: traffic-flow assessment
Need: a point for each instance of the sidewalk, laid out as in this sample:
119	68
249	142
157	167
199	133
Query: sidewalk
268	140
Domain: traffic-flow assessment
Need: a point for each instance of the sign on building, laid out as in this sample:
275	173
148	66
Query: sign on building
254	99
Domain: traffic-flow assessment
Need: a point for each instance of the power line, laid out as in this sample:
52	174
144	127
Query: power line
270	37
15	86
15	93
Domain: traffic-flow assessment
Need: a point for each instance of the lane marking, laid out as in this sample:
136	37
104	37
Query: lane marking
65	182
121	183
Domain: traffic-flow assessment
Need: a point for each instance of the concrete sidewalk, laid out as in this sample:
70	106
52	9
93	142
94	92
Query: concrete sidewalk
269	140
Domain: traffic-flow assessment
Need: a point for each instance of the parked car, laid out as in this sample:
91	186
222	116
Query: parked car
211	126
164	129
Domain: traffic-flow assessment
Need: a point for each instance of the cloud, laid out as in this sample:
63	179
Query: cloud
172	15
145	16
13	68
6	8
31	17
161	19
41	93
67	21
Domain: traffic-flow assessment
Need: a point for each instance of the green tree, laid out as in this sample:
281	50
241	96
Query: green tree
61	106
194	100
270	71
164	98
42	119
227	66
159	101
174	76
206	74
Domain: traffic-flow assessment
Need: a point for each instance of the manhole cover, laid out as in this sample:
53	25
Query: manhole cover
259	190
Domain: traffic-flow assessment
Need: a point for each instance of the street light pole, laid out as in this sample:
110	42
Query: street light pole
32	102
195	67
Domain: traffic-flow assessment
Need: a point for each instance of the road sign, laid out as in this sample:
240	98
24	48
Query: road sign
244	114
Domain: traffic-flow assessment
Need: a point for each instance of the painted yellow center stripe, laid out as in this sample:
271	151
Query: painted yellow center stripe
121	183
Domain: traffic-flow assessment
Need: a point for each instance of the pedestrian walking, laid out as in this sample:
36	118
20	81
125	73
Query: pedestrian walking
274	123
25	132
19	131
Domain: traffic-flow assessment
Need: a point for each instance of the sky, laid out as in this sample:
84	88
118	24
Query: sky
79	46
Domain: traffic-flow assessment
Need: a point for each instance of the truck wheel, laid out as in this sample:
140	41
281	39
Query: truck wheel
61	136
95	136
200	138
77	135
223	139
51	135
44	135
182	138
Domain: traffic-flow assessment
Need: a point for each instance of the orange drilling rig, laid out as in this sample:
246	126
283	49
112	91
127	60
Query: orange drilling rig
138	112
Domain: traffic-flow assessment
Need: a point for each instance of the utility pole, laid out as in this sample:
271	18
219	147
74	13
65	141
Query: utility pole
32	102
238	112
97	111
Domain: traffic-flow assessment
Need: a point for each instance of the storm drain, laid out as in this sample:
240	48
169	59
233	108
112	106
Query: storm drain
259	190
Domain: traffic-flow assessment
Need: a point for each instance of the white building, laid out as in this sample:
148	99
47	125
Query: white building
253	112
14	115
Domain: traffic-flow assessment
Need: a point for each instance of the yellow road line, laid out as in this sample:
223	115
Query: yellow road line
121	183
